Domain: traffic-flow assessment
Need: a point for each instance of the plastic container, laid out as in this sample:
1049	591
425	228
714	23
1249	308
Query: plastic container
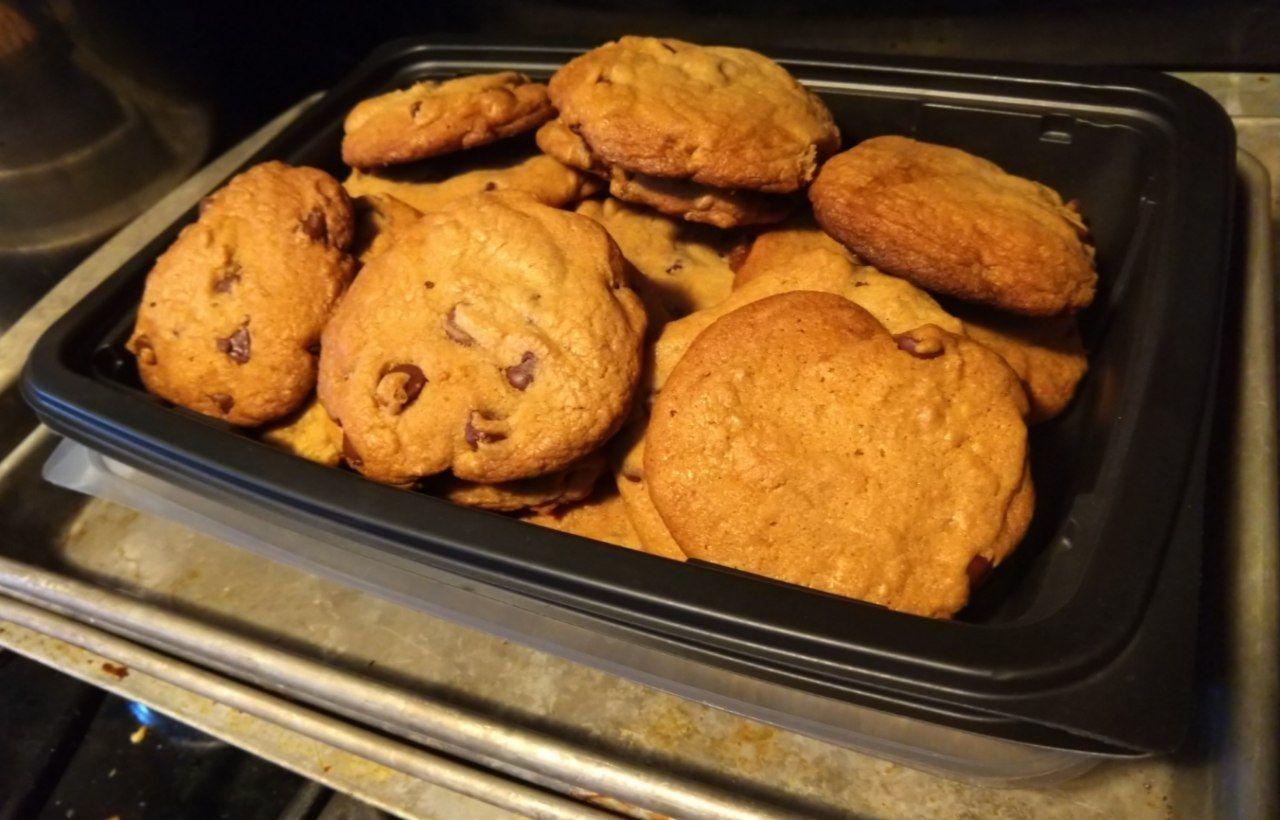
1082	642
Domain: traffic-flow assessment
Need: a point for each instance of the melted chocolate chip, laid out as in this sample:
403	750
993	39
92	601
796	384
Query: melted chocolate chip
227	279
350	454
675	266
977	570
520	376
236	346
399	386
454	332
477	437
491	186
920	348
224	402
428	284
313	225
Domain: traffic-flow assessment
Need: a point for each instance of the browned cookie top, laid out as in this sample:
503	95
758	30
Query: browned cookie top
957	224
232	312
725	117
800	440
496	338
435	117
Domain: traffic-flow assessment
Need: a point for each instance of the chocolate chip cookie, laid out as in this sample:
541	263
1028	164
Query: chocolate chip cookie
800	440
497	338
434	117
687	265
601	517
379	220
432	186
957	224
232	312
309	433
725	117
542	493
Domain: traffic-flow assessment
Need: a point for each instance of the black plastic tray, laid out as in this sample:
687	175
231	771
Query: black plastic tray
1083	640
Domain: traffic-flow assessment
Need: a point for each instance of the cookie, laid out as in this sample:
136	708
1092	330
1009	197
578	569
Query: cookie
379	219
720	207
809	262
432	186
542	493
496	339
308	433
956	224
434	117
798	242
601	517
557	140
687	265
1047	354
800	440
232	312
628	455
724	117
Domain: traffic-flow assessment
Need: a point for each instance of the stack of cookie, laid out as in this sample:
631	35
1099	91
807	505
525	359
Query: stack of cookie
717	135
839	401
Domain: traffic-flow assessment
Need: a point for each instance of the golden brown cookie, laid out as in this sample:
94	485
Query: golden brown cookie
687	265
957	224
496	338
308	433
796	243
542	493
800	440
809	262
1047	354
724	117
232	311
628	470
721	207
557	140
379	219
432	186
434	117
601	516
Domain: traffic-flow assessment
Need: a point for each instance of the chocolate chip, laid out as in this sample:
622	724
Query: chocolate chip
454	332
520	376
428	284
350	454
227	279
236	346
491	186
224	402
920	348
860	284
475	437
399	386
144	351
313	225
414	108
675	266
977	570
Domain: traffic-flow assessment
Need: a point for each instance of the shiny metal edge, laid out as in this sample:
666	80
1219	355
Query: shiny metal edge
419	763
1247	786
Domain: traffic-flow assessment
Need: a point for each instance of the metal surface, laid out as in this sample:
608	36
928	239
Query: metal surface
632	737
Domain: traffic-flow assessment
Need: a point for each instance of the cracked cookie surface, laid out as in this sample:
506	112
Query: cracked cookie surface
497	339
719	116
798	439
957	224
232	312
435	117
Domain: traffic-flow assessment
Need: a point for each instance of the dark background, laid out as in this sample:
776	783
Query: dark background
250	60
